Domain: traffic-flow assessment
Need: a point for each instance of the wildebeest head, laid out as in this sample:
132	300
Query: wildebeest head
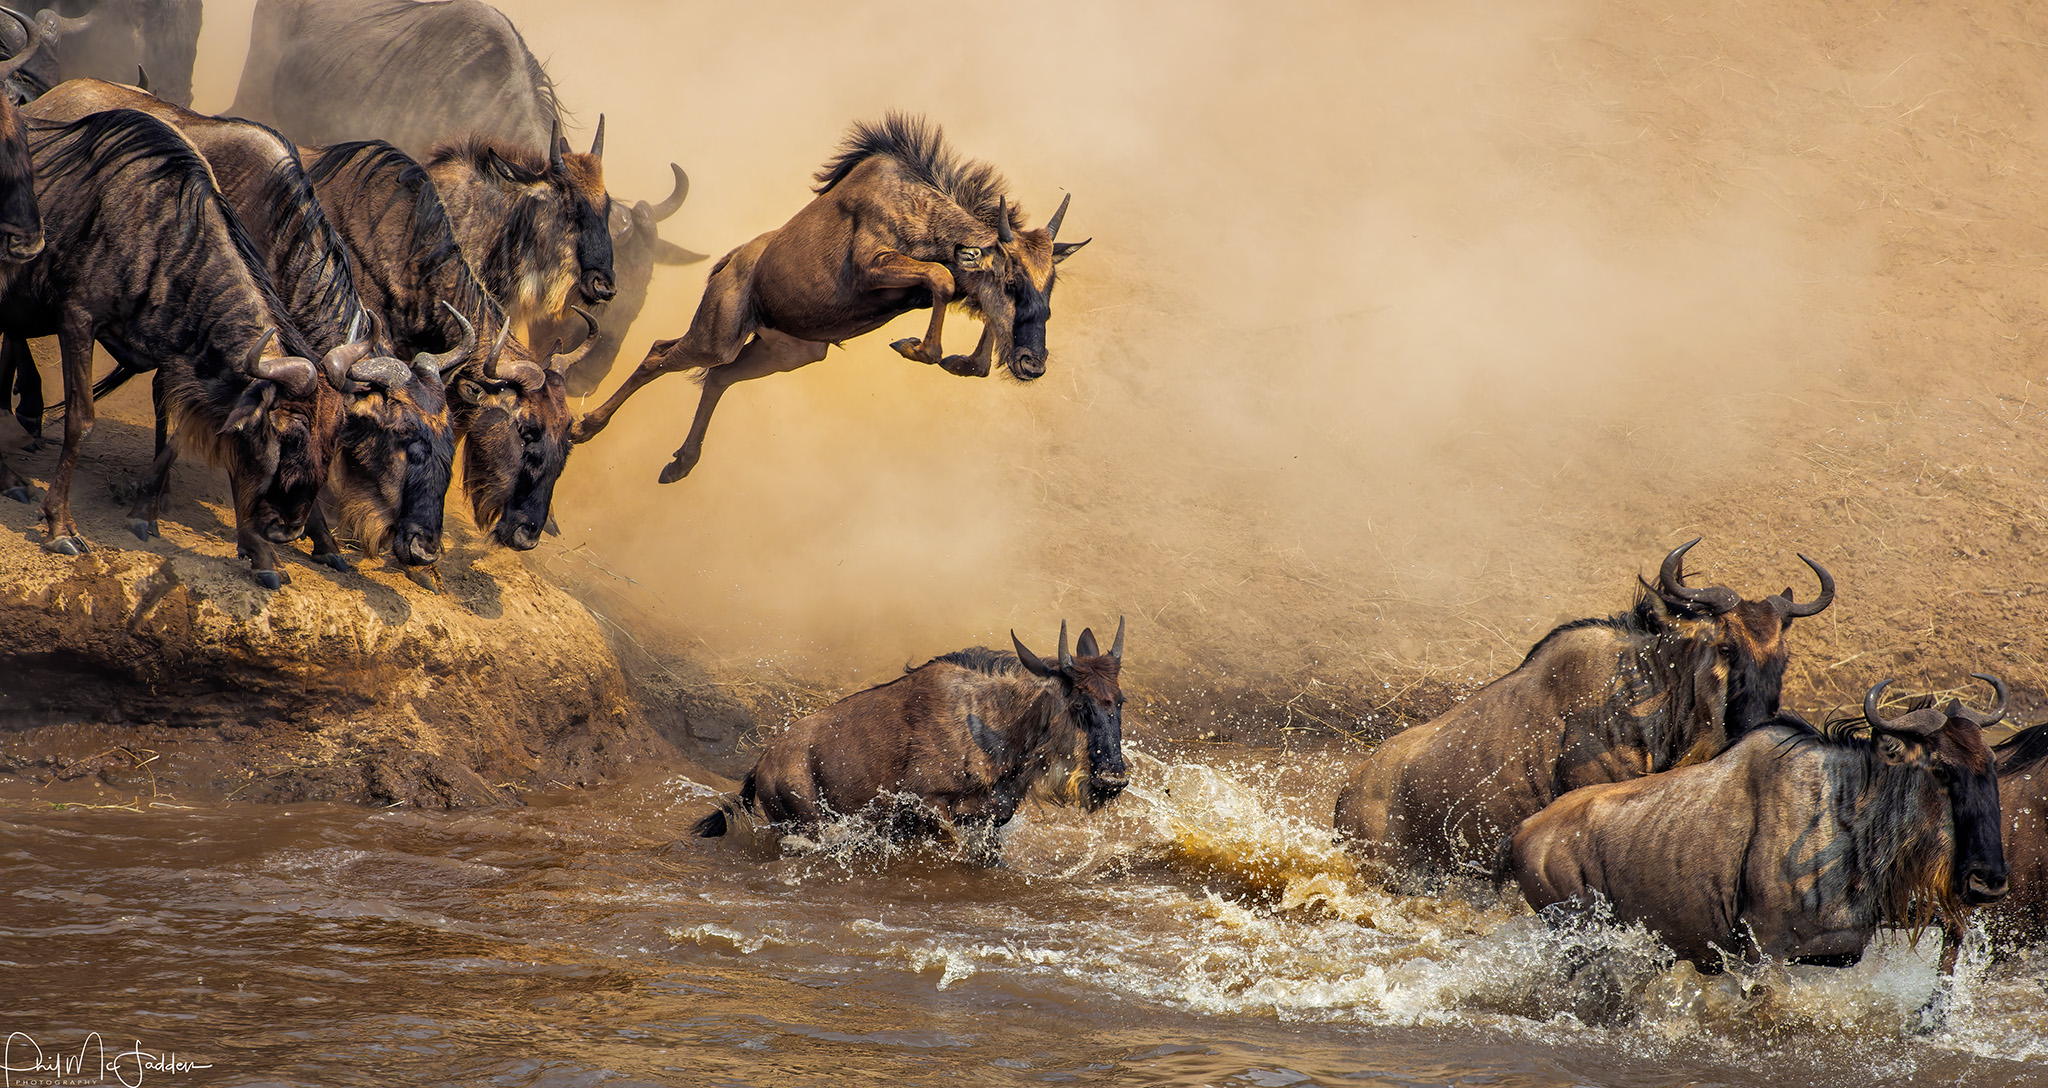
1748	637
1026	263
637	247
514	415
1947	744
21	225
546	213
397	449
276	439
1089	682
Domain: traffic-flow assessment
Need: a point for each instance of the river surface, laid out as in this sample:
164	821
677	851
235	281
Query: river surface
1200	931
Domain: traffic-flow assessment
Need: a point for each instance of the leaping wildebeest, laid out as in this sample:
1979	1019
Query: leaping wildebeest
1670	682
899	223
147	258
390	475
952	745
1796	843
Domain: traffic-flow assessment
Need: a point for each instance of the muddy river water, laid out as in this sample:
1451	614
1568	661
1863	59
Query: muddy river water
1199	931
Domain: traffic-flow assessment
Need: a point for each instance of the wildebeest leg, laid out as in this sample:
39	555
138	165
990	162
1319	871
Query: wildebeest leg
142	516
769	352
18	368
890	270
14	486
75	341
1933	1016
326	549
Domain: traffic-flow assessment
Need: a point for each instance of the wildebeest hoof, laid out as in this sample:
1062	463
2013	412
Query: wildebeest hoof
144	528
965	366
677	469
67	545
583	430
427	577
20	494
336	560
272	580
912	348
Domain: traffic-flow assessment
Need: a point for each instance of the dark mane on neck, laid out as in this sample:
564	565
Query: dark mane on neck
981	659
920	148
432	248
2025	751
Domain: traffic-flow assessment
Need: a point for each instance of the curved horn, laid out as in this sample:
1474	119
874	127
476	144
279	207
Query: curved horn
339	365
497	349
565	359
1671	582
1998	686
53	24
1066	659
524	371
674	203
1792	608
33	39
1870	703
256	353
1116	649
555	147
597	141
1033	664
1052	226
453	357
1003	220
382	371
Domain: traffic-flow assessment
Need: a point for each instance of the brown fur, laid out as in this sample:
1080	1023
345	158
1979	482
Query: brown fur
2022	916
899	224
1793	844
1668	684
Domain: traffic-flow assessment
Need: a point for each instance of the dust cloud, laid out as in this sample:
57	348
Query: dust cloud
1407	330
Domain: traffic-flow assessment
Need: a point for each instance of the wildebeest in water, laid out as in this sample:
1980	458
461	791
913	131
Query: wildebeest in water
1670	682
1796	843
952	746
2022	916
900	223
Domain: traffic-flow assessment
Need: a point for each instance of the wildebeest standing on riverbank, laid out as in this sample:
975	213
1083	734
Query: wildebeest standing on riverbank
396	449
1672	681
21	234
900	223
953	744
510	406
637	246
1796	843
145	257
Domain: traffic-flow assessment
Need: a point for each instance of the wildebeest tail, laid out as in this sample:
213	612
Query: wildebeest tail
720	819
115	379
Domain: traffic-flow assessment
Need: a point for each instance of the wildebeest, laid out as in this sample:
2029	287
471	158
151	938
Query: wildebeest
953	744
510	407
900	223
637	246
336	71
392	469
534	223
1796	843
1670	682
2023	799
21	236
32	67
145	257
118	39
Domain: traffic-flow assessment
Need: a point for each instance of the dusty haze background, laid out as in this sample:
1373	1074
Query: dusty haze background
1408	331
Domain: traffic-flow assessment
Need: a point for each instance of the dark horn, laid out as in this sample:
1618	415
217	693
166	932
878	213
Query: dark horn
1671	582
53	24
1003	221
565	360
453	357
1066	659
1052	226
1998	686
497	349
33	40
339	366
256	353
1033	664
597	141
1820	603
674	203
1116	649
555	148
1870	703
383	371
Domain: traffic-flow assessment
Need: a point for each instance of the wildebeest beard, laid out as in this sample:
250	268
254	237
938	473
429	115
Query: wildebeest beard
392	473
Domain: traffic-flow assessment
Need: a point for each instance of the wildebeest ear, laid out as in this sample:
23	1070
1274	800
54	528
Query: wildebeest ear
251	408
1033	664
666	252
510	172
1893	749
1062	250
969	257
1085	646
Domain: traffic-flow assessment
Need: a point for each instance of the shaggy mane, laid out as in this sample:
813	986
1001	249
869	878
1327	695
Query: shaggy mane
2025	751
920	148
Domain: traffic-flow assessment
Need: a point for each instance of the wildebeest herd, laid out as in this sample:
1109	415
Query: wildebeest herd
378	265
